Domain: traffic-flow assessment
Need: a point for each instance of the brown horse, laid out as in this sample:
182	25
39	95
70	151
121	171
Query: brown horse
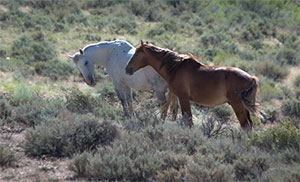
207	85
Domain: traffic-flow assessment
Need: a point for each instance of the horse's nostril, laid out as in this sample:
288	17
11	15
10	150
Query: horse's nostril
129	70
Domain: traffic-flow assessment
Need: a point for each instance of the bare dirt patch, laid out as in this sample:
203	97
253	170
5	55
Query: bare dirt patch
28	168
25	9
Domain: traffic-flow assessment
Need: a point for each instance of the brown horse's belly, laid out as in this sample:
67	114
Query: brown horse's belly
212	99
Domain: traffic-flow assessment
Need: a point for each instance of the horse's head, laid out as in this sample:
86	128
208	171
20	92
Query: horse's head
85	66
139	60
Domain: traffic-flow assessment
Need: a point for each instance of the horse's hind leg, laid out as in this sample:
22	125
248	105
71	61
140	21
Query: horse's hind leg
161	98
128	95
174	108
242	114
186	111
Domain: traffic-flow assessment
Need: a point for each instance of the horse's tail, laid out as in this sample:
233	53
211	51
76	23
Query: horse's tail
249	96
171	98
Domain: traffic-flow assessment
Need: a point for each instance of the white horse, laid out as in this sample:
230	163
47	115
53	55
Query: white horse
114	56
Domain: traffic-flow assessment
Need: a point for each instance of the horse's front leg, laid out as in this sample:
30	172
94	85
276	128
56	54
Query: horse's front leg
186	111
122	96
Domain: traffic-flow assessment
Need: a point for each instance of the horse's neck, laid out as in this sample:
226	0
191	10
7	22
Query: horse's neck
155	62
99	54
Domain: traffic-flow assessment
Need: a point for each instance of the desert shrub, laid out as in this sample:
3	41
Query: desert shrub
229	47
173	161
250	167
82	103
7	156
247	55
22	94
286	135
100	3
251	32
288	56
222	112
54	69
296	81
291	107
35	112
272	70
207	168
123	25
213	127
155	30
256	44
79	102
290	156
13	64
210	53
60	138
134	160
170	25
208	39
267	92
29	50
287	173
107	91
5	108
142	120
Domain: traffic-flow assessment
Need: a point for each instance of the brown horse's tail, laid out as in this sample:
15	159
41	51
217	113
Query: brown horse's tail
249	96
171	98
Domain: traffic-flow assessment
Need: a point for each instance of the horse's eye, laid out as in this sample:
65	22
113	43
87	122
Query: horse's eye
86	63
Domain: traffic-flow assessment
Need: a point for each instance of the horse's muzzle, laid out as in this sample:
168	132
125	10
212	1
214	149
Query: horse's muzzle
91	81
129	70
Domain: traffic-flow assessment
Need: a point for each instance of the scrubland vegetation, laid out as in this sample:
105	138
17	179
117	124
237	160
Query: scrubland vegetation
48	115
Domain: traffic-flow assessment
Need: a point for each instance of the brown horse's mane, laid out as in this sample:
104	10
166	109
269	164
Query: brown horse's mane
171	59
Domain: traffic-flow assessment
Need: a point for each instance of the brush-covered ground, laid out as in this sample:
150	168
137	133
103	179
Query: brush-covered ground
56	128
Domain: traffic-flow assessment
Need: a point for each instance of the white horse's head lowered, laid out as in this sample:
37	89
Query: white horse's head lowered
85	66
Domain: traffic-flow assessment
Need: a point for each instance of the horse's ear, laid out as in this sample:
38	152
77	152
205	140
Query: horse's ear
142	43
81	52
71	57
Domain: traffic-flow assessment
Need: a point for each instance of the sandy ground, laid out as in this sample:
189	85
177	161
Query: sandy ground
28	168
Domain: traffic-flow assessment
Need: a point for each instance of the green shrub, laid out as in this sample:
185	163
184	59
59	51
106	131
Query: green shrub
7	157
54	69
5	108
83	103
286	135
251	32
64	138
123	161
12	64
290	156
34	112
222	112
267	92
155	31
291	107
107	91
256	44
123	25
207	168
29	50
213	127
288	56
79	102
296	81
272	70
249	167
